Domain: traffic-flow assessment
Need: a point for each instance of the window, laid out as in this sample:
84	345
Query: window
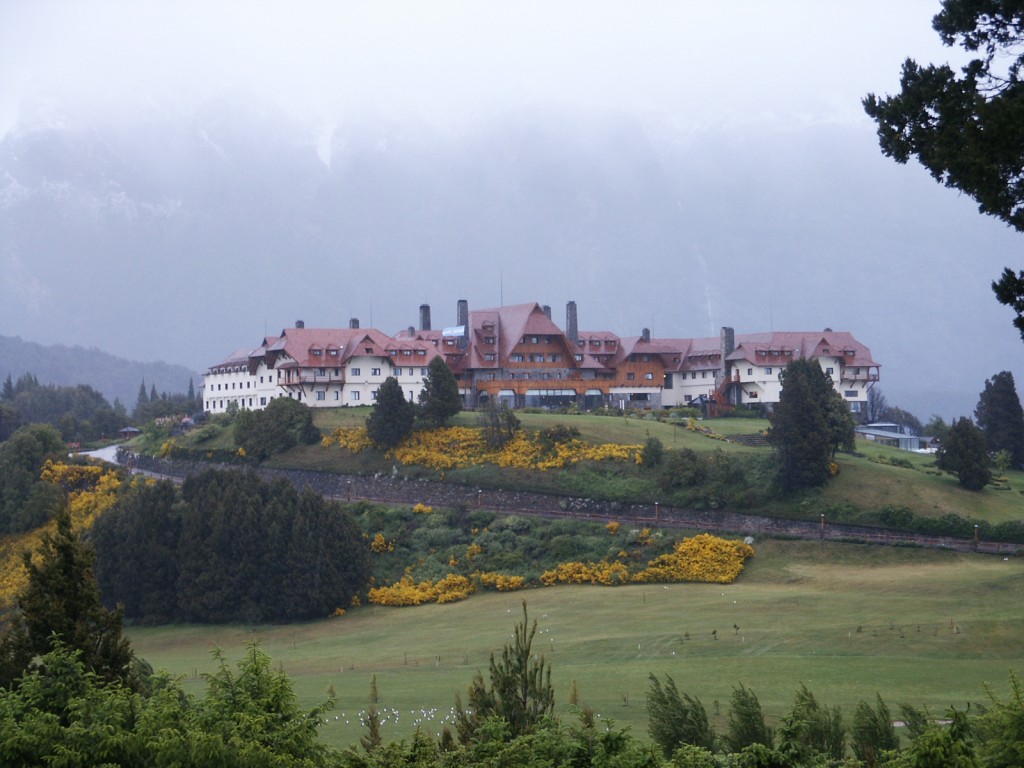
488	339
449	342
645	358
354	395
321	395
750	371
630	376
423	371
687	398
693	375
421	352
357	372
579	358
321	371
855	407
828	371
489	357
767	371
556	358
703	374
368	350
333	352
337	395
649	376
263	401
517	358
373	395
375	371
410	371
850	393
535	339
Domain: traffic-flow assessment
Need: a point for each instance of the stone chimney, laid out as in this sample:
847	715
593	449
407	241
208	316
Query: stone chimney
728	346
353	322
300	324
463	320
645	335
424	317
412	332
572	328
546	309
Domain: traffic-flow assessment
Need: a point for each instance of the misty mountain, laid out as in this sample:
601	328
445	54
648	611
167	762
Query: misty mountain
183	238
113	377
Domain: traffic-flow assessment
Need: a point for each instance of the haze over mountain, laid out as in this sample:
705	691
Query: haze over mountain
652	186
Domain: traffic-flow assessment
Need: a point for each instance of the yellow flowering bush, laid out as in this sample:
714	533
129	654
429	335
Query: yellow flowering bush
355	439
93	490
407	591
607	573
703	558
612	527
449	448
499	581
422	509
379	545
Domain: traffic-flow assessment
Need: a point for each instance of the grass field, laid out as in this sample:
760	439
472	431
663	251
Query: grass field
925	627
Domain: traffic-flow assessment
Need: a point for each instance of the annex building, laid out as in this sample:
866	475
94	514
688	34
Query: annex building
518	355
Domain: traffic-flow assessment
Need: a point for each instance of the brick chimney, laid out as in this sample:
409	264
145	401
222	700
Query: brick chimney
353	322
572	328
424	317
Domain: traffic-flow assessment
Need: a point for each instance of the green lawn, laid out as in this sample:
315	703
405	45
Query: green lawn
925	627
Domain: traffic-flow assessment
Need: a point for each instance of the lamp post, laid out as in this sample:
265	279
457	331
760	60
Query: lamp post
975	534
822	517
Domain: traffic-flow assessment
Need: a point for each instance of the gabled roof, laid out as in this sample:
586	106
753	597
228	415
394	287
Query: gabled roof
301	346
782	346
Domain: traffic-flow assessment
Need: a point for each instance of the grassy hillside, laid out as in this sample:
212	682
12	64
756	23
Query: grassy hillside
925	627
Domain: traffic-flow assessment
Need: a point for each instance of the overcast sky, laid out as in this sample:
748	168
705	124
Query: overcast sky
680	70
695	61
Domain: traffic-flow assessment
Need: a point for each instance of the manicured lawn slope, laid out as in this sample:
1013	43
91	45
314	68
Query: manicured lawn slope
932	627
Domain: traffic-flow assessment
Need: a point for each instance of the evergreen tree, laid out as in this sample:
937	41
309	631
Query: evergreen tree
676	718
439	398
1000	416
519	694
62	601
143	397
965	454
8	391
872	733
799	428
153	396
746	721
191	395
392	417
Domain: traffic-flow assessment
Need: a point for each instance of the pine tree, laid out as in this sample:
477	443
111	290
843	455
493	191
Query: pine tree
746	721
800	430
8	391
153	396
439	398
1000	416
191	391
676	718
519	693
392	417
964	453
62	600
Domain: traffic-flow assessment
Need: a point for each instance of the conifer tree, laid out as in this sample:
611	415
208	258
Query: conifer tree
965	454
392	417
1000	416
439	398
520	691
62	601
800	430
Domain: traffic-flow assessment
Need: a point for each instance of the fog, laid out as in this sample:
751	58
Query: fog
178	179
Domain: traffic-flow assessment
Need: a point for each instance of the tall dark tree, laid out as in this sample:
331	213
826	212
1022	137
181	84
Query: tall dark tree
62	600
439	399
967	128
872	732
746	721
392	417
520	691
143	397
676	718
8	391
799	428
964	453
1000	416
